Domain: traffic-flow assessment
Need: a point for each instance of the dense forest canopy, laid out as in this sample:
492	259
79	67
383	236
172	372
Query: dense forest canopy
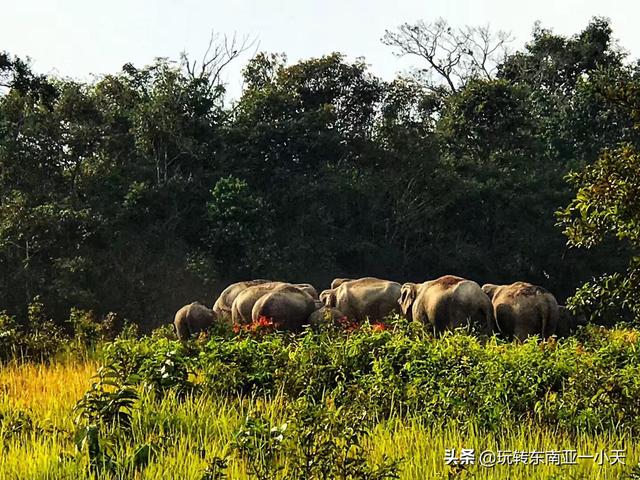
144	190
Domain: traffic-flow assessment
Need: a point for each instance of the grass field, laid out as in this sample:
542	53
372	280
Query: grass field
187	432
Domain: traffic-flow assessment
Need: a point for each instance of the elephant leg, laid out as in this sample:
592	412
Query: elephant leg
442	316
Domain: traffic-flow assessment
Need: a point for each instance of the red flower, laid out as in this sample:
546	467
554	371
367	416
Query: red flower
262	325
265	321
378	327
346	324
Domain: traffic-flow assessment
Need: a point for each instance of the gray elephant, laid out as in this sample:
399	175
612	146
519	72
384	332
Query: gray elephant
325	315
522	309
447	302
364	298
246	299
222	306
192	319
308	288
288	307
339	281
568	322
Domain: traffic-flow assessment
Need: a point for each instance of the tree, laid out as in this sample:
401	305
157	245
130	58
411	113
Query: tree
455	54
607	203
239	233
556	63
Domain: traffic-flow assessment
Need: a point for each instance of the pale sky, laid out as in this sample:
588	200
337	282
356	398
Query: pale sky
80	38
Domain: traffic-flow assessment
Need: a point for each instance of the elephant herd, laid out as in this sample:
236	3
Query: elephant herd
516	311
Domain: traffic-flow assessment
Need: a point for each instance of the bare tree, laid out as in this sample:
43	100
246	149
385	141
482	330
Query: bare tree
220	53
456	55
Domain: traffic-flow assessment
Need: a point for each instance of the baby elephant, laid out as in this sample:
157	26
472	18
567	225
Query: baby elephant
192	319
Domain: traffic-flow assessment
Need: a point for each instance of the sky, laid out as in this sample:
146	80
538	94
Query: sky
84	38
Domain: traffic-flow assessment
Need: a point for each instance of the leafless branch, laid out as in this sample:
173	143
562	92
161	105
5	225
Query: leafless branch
219	54
456	55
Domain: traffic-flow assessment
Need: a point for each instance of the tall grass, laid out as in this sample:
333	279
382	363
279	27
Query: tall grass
189	431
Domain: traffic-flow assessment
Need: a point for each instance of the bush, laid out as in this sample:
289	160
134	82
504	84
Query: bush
40	339
587	382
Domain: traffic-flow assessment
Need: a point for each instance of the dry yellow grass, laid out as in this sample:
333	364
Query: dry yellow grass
45	389
48	392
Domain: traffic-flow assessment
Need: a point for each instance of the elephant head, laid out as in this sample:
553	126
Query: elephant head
325	315
407	297
490	289
307	288
339	281
328	297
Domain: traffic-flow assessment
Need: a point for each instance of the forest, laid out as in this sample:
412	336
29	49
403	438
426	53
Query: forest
148	188
128	196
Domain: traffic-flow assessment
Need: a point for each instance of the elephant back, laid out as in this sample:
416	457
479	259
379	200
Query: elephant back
522	309
193	318
225	300
243	304
287	307
367	297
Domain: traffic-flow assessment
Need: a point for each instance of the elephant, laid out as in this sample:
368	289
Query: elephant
222	306
323	315
364	298
246	299
568	321
447	302
339	281
193	318
288	307
308	288
522	309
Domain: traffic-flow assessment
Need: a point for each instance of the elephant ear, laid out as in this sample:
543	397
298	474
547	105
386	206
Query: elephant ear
407	296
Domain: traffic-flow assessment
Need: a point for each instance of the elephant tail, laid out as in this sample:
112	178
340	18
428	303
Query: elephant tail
490	320
550	316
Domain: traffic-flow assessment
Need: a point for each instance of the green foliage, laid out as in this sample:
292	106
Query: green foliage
102	453
367	404
260	443
240	229
87	330
606	205
570	384
10	336
216	469
319	442
167	370
40	339
161	365
108	402
141	191
15	422
330	443
606	201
